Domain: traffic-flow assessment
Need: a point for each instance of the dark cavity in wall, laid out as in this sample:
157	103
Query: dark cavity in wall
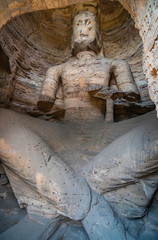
4	79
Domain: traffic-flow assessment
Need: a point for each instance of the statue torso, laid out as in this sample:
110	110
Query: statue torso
79	74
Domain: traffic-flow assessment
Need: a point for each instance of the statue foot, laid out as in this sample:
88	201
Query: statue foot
101	223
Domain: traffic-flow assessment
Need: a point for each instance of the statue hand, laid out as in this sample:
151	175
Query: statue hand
94	89
103	92
45	103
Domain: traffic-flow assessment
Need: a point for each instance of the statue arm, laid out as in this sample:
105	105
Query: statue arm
123	75
49	88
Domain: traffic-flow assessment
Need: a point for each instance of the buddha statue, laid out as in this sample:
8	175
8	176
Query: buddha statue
83	70
102	195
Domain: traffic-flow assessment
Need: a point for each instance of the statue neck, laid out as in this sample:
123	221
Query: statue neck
87	54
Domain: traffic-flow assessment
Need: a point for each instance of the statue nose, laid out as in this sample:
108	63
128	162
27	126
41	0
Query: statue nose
84	33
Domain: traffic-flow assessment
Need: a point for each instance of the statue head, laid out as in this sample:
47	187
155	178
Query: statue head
85	35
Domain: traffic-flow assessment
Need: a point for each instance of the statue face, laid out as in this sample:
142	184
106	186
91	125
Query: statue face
84	28
85	33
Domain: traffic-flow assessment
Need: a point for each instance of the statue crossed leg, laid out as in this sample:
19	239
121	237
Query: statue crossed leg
45	185
28	158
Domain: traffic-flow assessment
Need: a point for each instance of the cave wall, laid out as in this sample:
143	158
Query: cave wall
145	15
34	43
5	91
121	40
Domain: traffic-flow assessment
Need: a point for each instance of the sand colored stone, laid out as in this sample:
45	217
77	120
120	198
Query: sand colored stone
99	174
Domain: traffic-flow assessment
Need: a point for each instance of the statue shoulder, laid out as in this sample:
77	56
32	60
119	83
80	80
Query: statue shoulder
72	60
119	62
105	60
55	69
70	63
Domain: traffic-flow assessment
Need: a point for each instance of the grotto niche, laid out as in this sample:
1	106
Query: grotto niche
84	164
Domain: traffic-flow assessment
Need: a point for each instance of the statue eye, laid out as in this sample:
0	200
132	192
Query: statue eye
89	22
78	24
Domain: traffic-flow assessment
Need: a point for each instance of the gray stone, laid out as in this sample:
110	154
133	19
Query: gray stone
3	180
3	192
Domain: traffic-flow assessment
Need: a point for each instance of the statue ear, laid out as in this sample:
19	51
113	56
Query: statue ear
101	53
72	44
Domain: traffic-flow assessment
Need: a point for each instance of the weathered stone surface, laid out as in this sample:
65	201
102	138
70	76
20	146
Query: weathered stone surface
30	228
83	70
51	132
144	14
1	169
119	103
3	179
3	192
46	162
45	46
126	162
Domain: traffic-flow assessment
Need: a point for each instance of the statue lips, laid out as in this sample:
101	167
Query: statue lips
84	35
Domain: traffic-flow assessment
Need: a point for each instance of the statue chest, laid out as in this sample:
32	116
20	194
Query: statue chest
79	75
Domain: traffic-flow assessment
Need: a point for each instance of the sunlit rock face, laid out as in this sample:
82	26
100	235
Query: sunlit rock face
35	41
